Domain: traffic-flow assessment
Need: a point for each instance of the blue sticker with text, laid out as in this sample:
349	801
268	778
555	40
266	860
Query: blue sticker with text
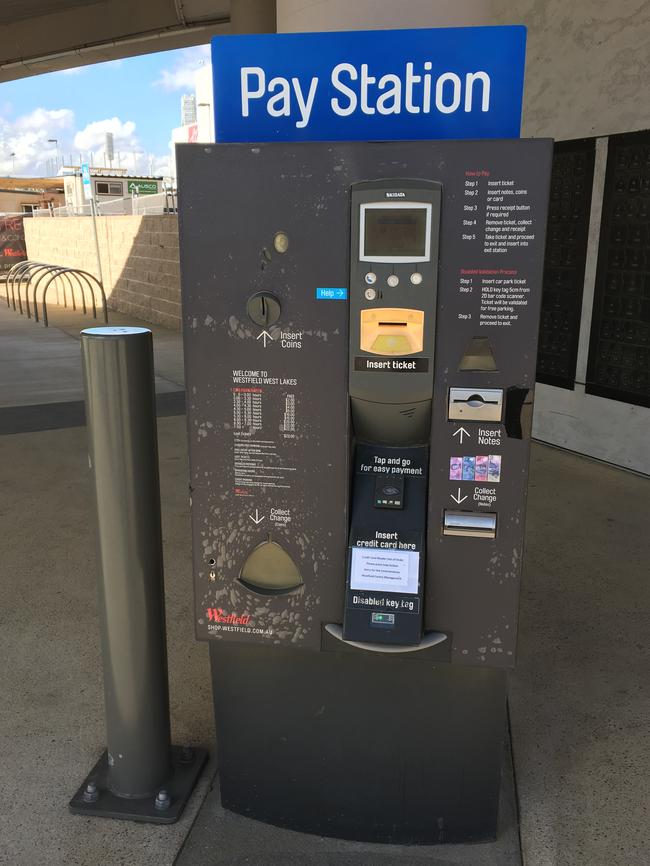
386	85
331	294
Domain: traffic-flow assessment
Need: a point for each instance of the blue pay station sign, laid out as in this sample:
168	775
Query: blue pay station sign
457	82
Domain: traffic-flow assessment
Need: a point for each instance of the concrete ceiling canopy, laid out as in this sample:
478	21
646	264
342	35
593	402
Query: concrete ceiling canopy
39	36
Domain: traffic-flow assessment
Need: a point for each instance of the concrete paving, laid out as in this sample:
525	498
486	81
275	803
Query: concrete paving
41	365
579	698
51	712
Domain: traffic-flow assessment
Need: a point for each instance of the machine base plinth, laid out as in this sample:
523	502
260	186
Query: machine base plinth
217	833
352	746
179	786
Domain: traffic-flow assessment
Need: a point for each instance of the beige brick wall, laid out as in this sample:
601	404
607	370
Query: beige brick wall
139	256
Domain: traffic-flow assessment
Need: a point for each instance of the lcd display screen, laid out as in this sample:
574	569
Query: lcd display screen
395	232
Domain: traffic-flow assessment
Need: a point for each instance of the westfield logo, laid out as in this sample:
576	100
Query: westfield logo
217	614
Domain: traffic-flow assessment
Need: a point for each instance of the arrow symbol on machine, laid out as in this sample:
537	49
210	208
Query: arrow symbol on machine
458	499
264	336
257	519
462	431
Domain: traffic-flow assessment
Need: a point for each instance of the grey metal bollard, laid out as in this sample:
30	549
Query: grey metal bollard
140	776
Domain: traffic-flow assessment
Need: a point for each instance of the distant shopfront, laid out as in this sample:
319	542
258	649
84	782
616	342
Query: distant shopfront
107	184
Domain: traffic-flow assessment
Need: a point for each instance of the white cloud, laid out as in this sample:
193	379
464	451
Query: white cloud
93	136
129	152
182	74
34	156
26	137
46	121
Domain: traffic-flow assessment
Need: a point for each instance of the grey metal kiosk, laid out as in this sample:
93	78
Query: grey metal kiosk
360	326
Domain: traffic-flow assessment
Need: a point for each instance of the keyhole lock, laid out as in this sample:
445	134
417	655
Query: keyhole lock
263	308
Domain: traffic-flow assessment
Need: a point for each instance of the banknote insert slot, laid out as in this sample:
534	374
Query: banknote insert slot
475	404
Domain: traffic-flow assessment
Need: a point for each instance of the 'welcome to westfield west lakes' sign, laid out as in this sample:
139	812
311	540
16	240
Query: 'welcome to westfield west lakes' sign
457	82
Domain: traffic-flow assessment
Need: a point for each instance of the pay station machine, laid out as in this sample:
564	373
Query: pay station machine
360	326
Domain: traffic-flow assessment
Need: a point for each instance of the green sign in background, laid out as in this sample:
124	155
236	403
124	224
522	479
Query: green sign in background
142	187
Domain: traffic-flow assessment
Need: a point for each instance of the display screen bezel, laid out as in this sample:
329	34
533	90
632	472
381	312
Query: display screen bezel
395	205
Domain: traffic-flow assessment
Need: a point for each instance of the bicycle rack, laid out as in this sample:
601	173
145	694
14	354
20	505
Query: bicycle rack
89	282
34	274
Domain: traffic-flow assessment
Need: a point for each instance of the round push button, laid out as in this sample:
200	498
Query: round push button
370	294
393	280
416	278
371	278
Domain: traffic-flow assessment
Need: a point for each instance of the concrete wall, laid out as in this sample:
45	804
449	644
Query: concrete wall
139	258
587	63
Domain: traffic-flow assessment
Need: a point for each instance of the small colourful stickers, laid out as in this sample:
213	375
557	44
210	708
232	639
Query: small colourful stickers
483	467
455	468
469	464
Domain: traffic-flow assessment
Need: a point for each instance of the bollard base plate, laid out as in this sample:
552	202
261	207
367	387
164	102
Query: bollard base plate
179	786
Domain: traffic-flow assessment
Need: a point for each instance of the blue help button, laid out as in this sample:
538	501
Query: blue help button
331	294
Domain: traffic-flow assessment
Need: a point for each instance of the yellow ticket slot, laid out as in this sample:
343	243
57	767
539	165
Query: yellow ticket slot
392	331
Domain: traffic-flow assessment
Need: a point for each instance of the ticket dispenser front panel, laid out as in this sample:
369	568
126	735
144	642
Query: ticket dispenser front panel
394	230
360	325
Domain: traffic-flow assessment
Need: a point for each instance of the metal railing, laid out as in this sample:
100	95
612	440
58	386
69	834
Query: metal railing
164	202
32	275
159	203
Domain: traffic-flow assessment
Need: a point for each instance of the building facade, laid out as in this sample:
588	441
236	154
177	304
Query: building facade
25	195
188	109
107	184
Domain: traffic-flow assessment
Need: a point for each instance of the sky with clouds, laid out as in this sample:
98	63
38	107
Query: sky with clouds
137	99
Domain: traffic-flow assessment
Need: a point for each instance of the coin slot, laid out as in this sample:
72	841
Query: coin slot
263	308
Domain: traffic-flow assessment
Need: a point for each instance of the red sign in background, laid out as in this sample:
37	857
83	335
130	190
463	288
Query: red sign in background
12	242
